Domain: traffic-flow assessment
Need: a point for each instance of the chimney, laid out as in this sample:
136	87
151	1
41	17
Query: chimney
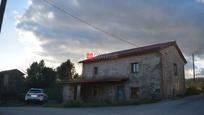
89	55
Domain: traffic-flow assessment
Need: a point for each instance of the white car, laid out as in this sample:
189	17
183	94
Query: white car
35	94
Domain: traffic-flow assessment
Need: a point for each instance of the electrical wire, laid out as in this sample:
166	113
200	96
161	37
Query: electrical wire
87	23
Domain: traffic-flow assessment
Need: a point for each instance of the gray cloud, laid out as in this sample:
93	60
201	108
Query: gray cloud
201	73
138	21
189	66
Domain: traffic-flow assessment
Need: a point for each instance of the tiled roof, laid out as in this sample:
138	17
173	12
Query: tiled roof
134	51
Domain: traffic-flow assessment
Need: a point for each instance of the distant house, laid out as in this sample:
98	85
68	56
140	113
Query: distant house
154	71
11	79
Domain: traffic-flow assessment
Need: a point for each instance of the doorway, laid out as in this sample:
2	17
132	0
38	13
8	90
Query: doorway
120	93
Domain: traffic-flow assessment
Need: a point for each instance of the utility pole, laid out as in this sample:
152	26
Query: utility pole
193	60
2	9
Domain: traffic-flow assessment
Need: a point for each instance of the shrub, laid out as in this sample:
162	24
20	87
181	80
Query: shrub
73	103
193	90
104	103
54	93
80	103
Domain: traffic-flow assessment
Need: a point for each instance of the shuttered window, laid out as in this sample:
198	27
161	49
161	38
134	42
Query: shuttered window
95	70
134	67
175	69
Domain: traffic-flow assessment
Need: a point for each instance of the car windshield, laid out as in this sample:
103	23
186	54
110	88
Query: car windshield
35	91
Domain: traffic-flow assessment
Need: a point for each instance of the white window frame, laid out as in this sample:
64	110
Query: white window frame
135	67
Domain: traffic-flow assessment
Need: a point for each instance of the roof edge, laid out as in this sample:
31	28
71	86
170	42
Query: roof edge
12	70
180	52
155	48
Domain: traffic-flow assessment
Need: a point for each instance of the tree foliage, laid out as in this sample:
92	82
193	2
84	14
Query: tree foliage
66	71
40	76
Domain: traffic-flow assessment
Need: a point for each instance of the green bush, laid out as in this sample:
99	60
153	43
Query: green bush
101	103
54	94
73	103
104	103
193	90
80	103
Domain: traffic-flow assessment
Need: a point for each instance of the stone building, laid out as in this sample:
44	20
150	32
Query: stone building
11	83
154	71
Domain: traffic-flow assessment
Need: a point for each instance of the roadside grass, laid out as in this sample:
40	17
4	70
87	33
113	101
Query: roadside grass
80	103
36	104
83	104
11	104
77	103
52	104
194	87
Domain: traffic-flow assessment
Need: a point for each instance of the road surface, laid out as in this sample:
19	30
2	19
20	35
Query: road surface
193	105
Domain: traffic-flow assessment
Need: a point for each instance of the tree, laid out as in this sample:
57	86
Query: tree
40	76
77	76
49	77
33	75
66	71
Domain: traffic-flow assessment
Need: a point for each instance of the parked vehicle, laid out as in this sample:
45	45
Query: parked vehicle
35	94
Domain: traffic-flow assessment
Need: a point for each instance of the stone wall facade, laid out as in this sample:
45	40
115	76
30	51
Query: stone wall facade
173	84
147	79
160	75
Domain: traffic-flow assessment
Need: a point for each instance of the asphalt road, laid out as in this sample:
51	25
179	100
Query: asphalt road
193	105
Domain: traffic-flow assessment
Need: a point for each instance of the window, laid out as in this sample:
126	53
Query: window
175	69
35	91
134	92
134	67
95	70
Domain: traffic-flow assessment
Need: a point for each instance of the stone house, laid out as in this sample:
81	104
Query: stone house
154	71
11	80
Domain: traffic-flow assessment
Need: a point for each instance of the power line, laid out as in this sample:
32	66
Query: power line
87	23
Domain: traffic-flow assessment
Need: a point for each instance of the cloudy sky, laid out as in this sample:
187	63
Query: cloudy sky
34	30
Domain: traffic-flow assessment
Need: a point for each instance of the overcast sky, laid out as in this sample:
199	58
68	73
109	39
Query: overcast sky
38	31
